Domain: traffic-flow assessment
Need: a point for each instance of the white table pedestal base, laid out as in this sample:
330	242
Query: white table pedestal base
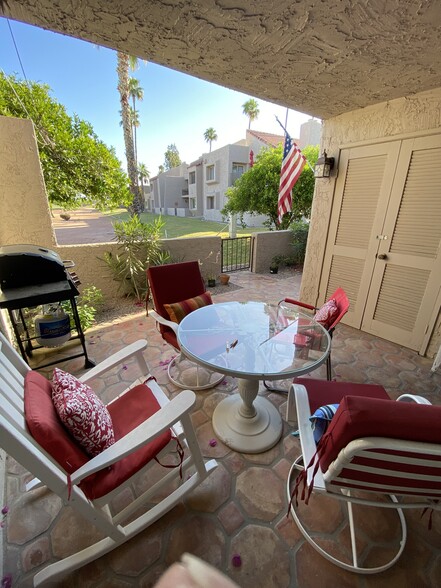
245	422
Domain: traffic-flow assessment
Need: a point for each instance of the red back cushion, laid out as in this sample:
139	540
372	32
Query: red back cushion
82	413
45	426
359	416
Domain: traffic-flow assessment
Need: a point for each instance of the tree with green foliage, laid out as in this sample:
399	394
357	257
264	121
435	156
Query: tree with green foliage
257	190
251	110
78	168
124	62
210	135
171	157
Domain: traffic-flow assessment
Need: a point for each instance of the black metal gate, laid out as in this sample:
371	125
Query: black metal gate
236	254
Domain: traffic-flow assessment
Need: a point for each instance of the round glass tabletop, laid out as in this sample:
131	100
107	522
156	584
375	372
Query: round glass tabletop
254	340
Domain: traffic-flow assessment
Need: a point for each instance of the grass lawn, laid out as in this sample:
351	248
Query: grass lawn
177	226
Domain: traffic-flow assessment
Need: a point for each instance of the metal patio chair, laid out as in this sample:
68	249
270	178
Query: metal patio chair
375	452
180	285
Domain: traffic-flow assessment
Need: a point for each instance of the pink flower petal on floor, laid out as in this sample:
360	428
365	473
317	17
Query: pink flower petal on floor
236	560
5	510
212	443
7	581
124	367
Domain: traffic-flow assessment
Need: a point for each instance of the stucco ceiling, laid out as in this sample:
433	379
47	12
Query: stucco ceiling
322	57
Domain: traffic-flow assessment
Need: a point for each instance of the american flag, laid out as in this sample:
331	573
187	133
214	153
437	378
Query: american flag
292	164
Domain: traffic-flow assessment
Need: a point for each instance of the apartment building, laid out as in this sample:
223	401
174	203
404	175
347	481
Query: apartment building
199	189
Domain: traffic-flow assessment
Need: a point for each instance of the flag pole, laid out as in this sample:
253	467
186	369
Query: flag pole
286	133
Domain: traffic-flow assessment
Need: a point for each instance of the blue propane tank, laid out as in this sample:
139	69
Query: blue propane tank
52	328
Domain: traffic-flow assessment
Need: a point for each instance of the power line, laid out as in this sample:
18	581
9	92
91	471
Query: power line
16	50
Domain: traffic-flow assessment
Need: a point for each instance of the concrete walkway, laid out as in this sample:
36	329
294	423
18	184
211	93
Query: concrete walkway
86	225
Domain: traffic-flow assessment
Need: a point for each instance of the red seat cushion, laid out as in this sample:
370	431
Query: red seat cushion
45	426
127	412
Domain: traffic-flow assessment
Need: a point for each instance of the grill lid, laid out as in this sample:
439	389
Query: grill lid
28	265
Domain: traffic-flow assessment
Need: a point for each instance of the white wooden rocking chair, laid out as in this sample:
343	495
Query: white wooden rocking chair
90	478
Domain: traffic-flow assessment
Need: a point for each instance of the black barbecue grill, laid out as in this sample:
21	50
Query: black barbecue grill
32	276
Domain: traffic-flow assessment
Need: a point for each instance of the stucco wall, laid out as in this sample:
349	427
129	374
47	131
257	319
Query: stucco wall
24	208
266	246
388	120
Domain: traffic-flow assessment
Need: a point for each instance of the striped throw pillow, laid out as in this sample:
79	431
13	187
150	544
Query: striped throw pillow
179	310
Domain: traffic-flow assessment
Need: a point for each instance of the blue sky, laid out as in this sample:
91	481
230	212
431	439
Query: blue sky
177	108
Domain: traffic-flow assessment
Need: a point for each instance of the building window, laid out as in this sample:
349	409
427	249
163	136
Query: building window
238	168
210	202
210	173
192	177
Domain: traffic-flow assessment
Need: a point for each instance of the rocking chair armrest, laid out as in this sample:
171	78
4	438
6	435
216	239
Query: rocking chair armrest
298	303
115	359
141	435
160	319
299	396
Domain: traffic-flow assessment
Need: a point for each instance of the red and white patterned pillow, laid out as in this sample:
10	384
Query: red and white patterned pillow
327	314
82	413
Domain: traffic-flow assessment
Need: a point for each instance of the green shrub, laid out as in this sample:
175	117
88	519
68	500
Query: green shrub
139	247
299	240
87	304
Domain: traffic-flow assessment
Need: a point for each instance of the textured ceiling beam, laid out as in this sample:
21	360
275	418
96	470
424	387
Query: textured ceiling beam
322	58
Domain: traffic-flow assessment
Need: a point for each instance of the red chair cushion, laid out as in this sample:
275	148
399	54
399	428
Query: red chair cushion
127	412
321	392
327	314
45	426
358	417
83	414
178	310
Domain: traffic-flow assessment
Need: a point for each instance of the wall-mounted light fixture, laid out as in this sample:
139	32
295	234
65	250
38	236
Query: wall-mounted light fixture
323	167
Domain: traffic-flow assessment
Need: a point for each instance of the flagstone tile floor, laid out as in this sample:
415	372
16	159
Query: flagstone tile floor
241	508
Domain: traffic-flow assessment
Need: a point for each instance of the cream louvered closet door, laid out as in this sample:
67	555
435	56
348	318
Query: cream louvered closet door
405	284
384	239
362	193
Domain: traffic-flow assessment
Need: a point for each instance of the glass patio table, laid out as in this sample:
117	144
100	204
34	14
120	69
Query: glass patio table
252	341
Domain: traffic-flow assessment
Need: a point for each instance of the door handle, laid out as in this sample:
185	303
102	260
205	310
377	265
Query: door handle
381	256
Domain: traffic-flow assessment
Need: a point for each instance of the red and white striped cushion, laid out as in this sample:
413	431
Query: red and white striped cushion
82	413
178	310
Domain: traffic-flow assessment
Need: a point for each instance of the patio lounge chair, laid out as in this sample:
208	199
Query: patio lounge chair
373	450
146	427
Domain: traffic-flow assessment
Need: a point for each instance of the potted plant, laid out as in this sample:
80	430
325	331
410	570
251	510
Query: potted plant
211	281
224	279
274	268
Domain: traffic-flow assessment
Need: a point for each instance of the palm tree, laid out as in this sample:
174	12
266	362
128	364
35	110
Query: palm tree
210	135
136	93
251	110
122	69
143	172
